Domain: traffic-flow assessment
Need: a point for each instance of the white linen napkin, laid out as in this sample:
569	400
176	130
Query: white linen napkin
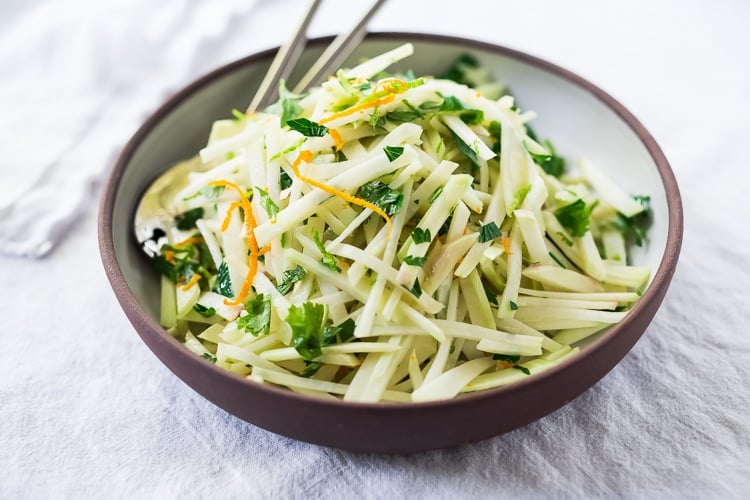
77	77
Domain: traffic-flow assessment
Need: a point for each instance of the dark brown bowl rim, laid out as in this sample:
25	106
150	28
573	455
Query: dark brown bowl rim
130	304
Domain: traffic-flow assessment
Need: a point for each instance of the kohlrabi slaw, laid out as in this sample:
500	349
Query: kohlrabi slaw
392	238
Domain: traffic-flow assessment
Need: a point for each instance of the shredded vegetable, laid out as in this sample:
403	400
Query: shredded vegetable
391	238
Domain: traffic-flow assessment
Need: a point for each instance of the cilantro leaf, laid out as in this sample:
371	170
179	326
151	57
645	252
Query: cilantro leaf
307	128
491	297
289	107
416	290
382	196
284	180
223	284
464	148
393	152
289	278
508	358
635	227
575	217
496	132
258	318
420	235
186	220
472	116
307	322
551	164
327	258
488	232
267	203
408	113
204	311
415	261
451	103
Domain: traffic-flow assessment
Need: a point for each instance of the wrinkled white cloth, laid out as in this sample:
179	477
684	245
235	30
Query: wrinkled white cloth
87	411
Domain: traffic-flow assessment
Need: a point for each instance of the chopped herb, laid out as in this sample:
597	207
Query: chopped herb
223	284
552	164
307	128
491	297
258	318
435	195
450	104
472	116
204	311
289	278
393	152
567	240
311	368
464	148
457	70
187	219
416	290
415	261
284	180
289	107
267	203
420	235
522	368
575	217
212	192
408	113
340	156
635	227
307	322
488	232
496	132
508	358
558	261
519	197
382	196
513	306
209	357
327	258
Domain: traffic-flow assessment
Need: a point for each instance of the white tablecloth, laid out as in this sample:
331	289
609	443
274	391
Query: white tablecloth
87	411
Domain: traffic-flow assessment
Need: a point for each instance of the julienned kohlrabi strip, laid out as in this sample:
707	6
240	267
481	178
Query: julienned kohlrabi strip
392	238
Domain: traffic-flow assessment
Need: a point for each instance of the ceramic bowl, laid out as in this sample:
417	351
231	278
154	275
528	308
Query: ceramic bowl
580	118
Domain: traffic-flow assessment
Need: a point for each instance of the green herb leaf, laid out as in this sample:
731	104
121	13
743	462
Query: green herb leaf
338	334
558	261
522	368
209	357
508	358
552	164
415	261
186	220
457	70
212	192
267	203
327	258
488	232
307	128
382	196
496	132
223	284
491	297
420	235
307	322
204	311
513	306
567	240
575	217
258	318
239	115
450	104
635	227
464	148
393	152
311	368
416	290
435	194
284	180
408	113
289	278
287	106
472	116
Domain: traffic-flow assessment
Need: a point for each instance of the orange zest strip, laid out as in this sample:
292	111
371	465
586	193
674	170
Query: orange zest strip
169	256
190	241
252	243
193	281
338	142
306	156
358	107
228	216
506	245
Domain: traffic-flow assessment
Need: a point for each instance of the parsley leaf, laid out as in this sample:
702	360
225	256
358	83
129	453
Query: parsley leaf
491	297
307	322
420	235
575	217
415	261
382	196
393	152
258	318
212	192
451	103
416	290
407	114
267	203
284	180
289	278
223	284
513	306
464	148
187	219
307	128
488	232
457	70
289	107
496	132
204	311
508	358
635	227
522	368
327	258
552	164
209	357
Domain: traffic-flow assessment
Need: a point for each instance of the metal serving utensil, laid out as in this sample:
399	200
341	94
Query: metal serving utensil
152	218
